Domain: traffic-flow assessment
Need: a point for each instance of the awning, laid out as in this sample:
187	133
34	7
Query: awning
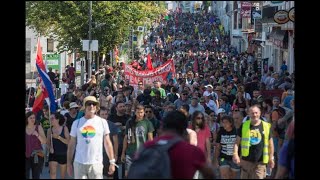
278	34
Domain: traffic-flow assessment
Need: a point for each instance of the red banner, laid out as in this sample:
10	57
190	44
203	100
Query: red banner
162	73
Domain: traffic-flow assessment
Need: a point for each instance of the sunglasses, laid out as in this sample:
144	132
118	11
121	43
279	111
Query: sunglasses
91	103
199	117
236	110
184	94
148	111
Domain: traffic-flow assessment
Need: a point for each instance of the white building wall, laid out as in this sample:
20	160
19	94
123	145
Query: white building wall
31	67
220	10
291	61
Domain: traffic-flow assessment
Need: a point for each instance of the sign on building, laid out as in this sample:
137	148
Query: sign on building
78	67
276	3
52	60
245	9
93	47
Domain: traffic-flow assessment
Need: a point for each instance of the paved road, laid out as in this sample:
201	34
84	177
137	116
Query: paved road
45	174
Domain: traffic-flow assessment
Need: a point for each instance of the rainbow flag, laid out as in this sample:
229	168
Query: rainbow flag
45	88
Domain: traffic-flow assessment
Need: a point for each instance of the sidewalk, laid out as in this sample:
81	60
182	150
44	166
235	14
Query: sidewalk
45	173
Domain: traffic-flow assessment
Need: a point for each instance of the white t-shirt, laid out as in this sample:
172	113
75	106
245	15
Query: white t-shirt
64	87
215	95
193	139
247	96
89	134
64	111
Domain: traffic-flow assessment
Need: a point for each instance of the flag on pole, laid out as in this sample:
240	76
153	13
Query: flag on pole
149	63
45	88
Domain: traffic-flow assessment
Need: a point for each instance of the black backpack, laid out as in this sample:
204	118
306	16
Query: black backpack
153	162
280	128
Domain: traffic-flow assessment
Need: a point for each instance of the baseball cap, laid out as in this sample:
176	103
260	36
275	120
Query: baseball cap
221	110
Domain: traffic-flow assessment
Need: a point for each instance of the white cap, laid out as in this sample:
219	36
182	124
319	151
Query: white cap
221	110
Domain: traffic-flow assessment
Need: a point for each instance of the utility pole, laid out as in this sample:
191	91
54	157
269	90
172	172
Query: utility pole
89	51
131	43
132	46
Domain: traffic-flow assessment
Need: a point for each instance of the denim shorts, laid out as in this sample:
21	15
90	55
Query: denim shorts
228	163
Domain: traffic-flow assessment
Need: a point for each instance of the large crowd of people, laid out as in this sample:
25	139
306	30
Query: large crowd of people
220	94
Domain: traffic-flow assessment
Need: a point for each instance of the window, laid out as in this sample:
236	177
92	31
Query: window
28	56
240	22
49	45
28	50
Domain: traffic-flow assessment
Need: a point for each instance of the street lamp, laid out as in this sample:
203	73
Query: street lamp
89	51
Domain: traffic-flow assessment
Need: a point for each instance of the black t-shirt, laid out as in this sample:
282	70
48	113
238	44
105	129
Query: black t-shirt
168	88
51	76
256	143
144	99
230	97
69	121
45	124
226	140
123	120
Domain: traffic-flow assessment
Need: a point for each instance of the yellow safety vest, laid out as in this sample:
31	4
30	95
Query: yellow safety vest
245	140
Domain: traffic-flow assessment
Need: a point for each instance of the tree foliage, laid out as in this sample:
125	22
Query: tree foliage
68	21
206	5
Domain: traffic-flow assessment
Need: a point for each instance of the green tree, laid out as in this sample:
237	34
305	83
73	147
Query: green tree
68	21
206	5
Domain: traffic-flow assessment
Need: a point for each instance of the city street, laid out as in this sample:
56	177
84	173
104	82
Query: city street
45	174
209	84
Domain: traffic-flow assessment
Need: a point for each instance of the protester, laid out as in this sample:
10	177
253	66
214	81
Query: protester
88	135
57	143
257	150
34	153
183	166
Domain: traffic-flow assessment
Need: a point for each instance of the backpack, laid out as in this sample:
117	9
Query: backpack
284	113
172	97
281	111
153	162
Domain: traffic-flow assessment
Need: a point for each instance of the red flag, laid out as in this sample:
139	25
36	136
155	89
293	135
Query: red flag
149	63
45	89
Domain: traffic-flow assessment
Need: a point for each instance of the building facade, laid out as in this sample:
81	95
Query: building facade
49	51
271	43
279	44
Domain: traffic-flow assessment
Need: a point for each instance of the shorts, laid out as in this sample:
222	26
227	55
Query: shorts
128	162
61	159
228	163
87	171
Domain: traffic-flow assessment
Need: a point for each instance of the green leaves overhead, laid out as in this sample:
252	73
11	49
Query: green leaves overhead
68	21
